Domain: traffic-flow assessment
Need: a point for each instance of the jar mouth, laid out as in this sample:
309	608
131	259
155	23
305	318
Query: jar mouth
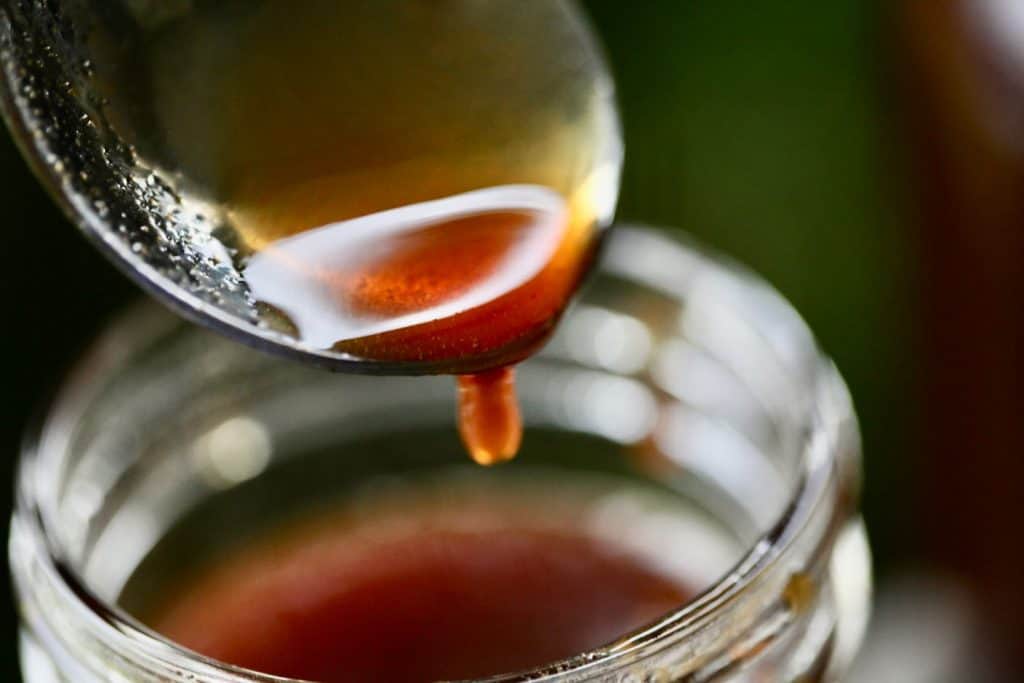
827	455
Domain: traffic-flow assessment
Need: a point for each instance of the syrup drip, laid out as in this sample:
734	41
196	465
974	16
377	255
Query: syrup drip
472	281
489	420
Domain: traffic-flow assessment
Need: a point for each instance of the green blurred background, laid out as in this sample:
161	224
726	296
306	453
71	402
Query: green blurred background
760	128
773	131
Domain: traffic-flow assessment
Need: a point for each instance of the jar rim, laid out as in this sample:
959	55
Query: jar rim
825	463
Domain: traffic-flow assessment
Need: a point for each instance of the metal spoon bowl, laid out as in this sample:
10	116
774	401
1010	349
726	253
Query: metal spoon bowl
92	135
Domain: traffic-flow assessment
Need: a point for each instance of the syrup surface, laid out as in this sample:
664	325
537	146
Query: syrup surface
418	595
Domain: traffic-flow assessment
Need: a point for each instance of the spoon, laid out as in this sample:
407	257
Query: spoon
248	161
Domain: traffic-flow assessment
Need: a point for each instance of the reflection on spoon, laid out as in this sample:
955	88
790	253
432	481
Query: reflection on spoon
405	267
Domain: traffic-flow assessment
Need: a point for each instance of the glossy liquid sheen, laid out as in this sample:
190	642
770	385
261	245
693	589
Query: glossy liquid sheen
427	590
415	183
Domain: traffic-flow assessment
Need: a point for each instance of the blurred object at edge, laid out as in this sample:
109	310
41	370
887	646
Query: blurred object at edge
963	100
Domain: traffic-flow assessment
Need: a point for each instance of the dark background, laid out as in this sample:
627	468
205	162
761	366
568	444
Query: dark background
802	138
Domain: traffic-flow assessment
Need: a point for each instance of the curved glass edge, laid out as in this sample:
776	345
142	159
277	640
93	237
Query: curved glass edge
830	458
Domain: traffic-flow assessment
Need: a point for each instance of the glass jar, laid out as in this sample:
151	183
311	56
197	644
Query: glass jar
677	370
